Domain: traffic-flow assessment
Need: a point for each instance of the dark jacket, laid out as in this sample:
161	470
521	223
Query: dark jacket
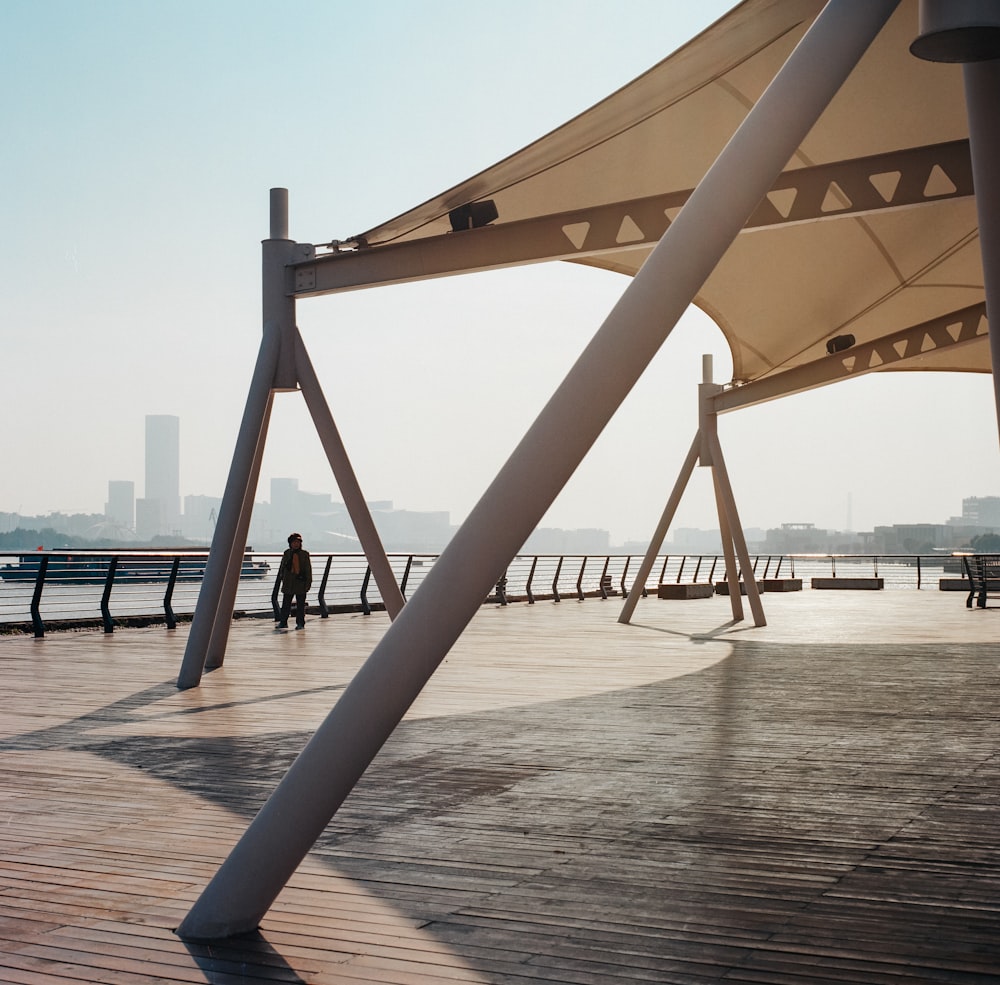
291	583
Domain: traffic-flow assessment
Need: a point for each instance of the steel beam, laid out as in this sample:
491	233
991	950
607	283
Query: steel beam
846	188
953	330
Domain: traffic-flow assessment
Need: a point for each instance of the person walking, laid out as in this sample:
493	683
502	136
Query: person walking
296	579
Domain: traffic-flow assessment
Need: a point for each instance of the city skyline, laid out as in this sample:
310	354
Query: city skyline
148	240
163	510
292	506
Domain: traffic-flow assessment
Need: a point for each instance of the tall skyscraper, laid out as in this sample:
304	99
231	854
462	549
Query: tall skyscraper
163	470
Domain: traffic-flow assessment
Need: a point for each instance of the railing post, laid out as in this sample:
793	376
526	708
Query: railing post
324	612
531	575
579	580
168	595
628	557
406	577
274	595
109	626
604	576
36	598
555	581
365	607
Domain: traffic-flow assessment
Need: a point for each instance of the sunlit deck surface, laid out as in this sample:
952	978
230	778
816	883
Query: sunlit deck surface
571	800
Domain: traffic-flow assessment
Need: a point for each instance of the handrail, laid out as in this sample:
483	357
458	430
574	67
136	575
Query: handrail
112	587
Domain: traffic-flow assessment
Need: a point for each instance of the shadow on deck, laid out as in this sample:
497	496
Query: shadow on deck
571	800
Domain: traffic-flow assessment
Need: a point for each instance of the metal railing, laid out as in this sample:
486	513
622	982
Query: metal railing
61	589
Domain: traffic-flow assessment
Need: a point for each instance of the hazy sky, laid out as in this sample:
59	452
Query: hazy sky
140	138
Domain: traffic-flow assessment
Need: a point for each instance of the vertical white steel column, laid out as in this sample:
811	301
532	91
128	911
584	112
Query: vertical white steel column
982	98
343	472
683	477
216	653
274	370
418	640
277	304
708	422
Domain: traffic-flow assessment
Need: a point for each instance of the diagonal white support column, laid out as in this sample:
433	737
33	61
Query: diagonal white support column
227	526
727	503
216	653
728	554
343	472
325	771
659	535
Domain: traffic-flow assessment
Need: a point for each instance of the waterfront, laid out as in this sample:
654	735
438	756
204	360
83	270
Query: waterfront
342	580
569	801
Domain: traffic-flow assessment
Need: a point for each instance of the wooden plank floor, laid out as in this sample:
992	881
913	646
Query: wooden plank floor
681	800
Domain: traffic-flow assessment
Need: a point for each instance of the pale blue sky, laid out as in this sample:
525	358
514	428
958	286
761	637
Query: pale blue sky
140	140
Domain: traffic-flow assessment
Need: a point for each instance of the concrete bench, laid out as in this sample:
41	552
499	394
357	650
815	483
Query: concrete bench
856	584
780	584
670	590
722	587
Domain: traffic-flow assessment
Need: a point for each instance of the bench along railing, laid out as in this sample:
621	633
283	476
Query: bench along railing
983	573
62	589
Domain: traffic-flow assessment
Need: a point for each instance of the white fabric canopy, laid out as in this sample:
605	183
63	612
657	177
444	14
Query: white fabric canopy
844	244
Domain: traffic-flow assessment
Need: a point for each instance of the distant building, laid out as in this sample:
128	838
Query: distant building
796	538
424	532
120	507
163	475
692	540
981	511
552	540
150	518
284	511
916	538
200	516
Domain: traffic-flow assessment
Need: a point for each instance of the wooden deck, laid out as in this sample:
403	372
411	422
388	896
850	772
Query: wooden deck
681	800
